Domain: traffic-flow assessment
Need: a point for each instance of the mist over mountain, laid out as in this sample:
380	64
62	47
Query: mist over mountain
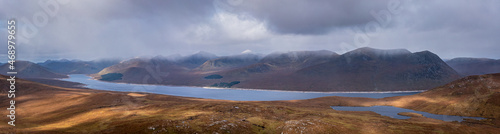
363	69
474	66
250	66
299	59
228	62
195	60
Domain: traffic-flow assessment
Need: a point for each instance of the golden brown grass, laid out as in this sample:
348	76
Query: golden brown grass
49	109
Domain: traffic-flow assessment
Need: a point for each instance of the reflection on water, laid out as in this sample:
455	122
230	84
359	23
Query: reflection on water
222	94
393	112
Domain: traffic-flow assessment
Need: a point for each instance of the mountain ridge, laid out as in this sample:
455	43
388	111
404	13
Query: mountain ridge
363	69
474	66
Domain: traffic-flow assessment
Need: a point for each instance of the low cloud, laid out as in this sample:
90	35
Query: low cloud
126	28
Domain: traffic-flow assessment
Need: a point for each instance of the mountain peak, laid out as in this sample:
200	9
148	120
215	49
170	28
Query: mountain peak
296	53
244	55
204	54
196	59
369	50
230	61
326	52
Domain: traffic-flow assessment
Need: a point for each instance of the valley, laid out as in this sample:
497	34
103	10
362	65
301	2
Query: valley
250	67
97	111
364	69
291	92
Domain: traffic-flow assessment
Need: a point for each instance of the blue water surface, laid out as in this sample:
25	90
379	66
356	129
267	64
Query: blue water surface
222	94
393	112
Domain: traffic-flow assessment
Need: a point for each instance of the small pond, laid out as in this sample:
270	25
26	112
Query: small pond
392	112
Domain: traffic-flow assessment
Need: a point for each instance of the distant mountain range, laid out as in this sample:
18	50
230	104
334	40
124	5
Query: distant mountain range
363	69
65	66
474	66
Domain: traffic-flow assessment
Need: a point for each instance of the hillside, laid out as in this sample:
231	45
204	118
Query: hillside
140	70
474	66
26	69
380	70
477	95
364	69
50	109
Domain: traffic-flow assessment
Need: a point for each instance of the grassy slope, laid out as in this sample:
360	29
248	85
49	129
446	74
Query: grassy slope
50	109
470	96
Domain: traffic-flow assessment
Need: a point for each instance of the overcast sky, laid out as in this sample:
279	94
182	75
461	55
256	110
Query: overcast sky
92	29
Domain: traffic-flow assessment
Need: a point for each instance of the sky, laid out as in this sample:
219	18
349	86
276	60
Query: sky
94	29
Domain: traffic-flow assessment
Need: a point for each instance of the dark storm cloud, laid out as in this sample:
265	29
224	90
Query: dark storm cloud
452	29
312	17
127	28
111	28
456	16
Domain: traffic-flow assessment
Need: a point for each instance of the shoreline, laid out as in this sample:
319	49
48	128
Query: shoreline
249	89
414	91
